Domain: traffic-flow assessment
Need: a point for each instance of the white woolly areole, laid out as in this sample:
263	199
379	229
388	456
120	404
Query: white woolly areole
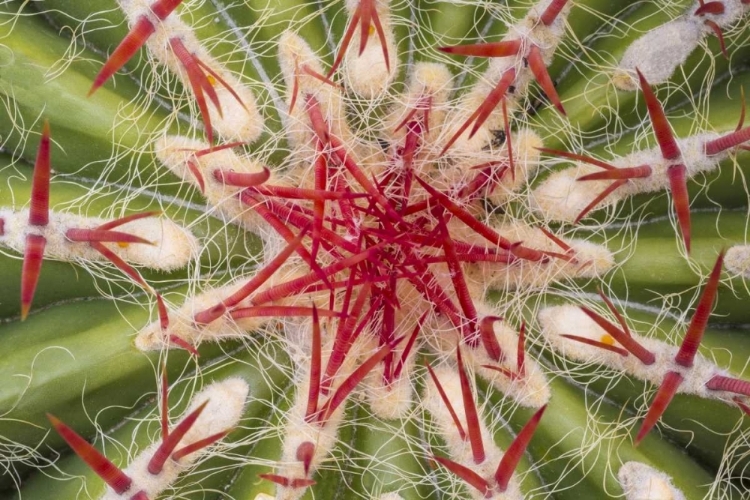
659	52
175	151
571	320
173	246
226	402
390	496
561	197
641	482
532	32
235	122
459	450
367	74
737	260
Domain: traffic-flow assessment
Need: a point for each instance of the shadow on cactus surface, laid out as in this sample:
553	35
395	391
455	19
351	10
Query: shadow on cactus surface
371	249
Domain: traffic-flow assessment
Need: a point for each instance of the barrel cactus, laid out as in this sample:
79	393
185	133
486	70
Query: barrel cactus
373	249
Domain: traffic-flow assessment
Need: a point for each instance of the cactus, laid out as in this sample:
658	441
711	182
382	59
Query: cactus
372	249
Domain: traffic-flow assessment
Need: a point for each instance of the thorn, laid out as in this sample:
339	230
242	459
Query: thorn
508	141
515	451
552	11
39	210
103	235
364	15
694	334
133	41
727	142
492	49
164	403
409	346
729	384
644	355
180	342
715	8
109	472
487	333
32	266
596	343
199	445
446	401
541	75
664	135
128	218
663	397
614	311
483	111
118	262
197	175
680	201
521	351
280	312
470	410
717	31
286	482
156	464
742	406
305	452
210	315
582	158
743	110
163	8
242	180
468	475
600	197
619	174
141	495
313	393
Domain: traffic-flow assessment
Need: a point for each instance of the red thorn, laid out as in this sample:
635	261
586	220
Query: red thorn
286	482
199	445
541	75
222	82
694	334
552	11
743	110
348	385
663	397
717	31
446	401
510	459
596	343
237	179
364	15
39	210
508	141
133	41
710	8
664	136
468	475
644	355
264	274
109	472
599	198
319	125
295	89
197	175
493	49
322	78
164	403
483	111
470	409
118	262
614	311
487	333
280	312
677	175
305	452
198	82
620	173
182	343
315	370
729	384
2	227
573	156
156	464
521	351
409	346
508	373
141	495
163	8
210	315
103	235
214	149
742	406
128	218
727	142
557	241
32	267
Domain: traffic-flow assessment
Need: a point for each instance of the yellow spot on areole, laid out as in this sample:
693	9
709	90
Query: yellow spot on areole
371	30
211	80
123	244
607	339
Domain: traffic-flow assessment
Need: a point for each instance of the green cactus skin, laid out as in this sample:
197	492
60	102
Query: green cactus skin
75	355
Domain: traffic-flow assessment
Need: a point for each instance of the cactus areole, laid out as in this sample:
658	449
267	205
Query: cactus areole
374	249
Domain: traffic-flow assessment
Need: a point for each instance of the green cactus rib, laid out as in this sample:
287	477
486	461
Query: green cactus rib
75	357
